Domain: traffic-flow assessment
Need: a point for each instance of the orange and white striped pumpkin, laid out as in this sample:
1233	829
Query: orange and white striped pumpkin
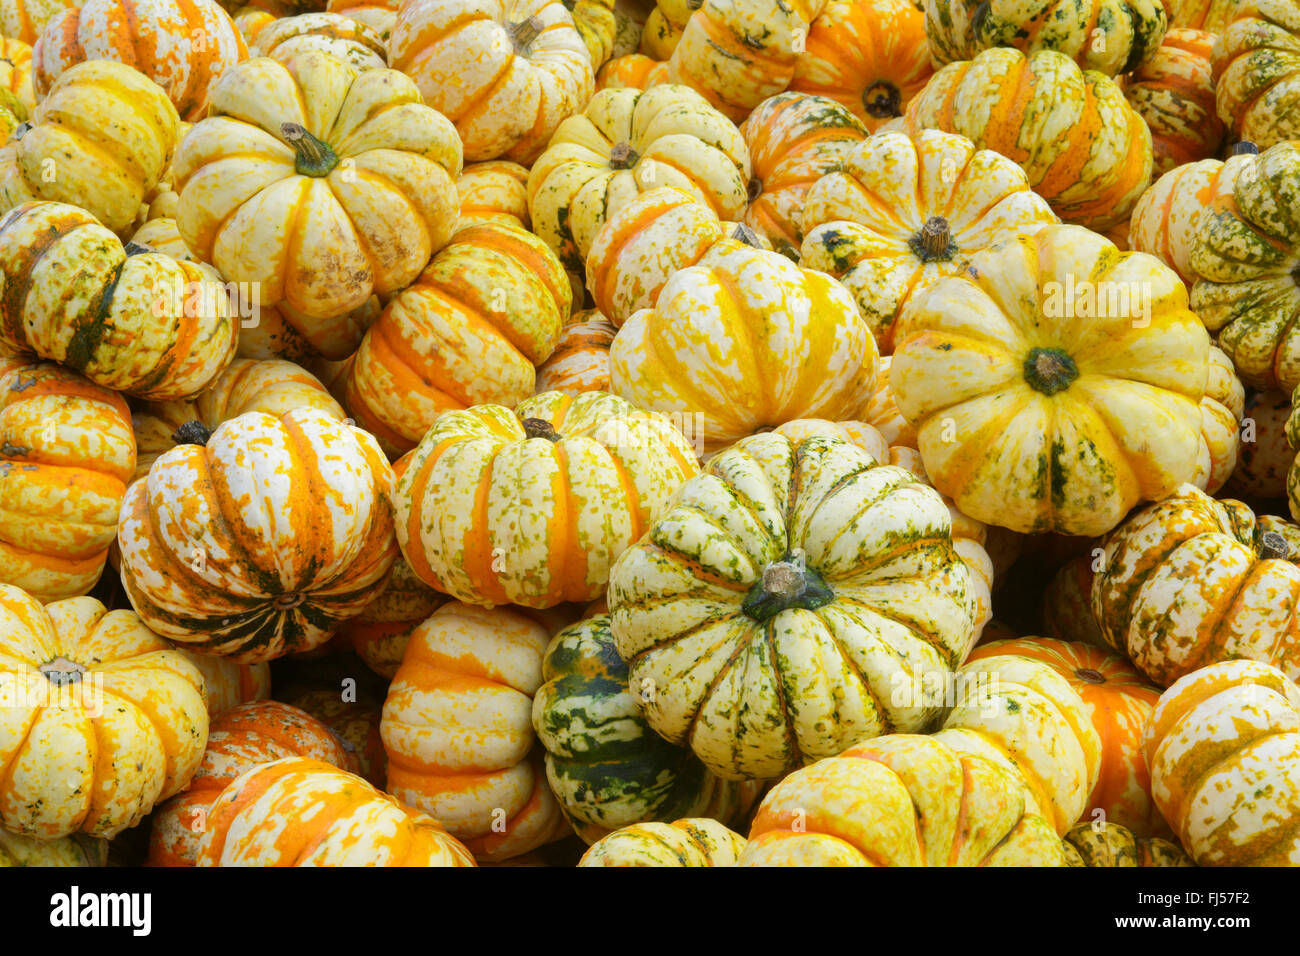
457	726
262	540
25	19
102	719
1173	90
303	812
580	362
1224	749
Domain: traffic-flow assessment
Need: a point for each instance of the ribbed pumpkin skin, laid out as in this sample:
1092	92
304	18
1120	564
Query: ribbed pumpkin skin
182	45
490	515
649	239
1023	716
303	812
1257	70
101	138
263	542
864	223
901	800
746	340
76	297
272	386
1083	147
470	331
737	53
1244	254
250	20
506	96
793	140
66	453
675	139
493	191
870	56
16	71
457	728
756	687
1174	92
1166	216
635	70
356	725
379	15
227	683
1221	411
326	238
1110	36
1118	701
1031	420
597	24
1103	843
241	738
605	765
124	733
580	363
25	19
350	40
1224	751
1220	567
1293	474
1212	16
663	26
1264	456
688	842
1067	604
881	410
380	633
77	850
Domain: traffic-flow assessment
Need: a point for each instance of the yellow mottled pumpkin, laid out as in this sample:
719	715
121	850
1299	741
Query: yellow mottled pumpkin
1257	72
532	506
1224	749
493	191
348	39
16	71
77	850
689	842
101	719
25	19
664	24
1037	380
379	15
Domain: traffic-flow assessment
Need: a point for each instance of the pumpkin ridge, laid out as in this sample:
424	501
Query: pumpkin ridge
847	596
7	771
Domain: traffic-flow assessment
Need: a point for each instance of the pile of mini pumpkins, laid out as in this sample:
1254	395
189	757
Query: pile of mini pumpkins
708	433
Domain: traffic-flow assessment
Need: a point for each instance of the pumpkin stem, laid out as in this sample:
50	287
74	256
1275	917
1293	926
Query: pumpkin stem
314	158
788	583
743	233
934	241
21	130
135	249
1050	370
540	428
1244	148
289	600
1089	675
883	100
192	433
60	672
694	4
623	156
754	189
1273	546
525	32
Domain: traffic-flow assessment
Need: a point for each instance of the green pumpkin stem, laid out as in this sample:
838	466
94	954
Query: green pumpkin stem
623	156
1050	370
133	248
788	583
192	433
1244	148
314	158
540	428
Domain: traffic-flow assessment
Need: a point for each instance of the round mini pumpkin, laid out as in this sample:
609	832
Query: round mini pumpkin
128	319
1118	701
272	386
900	800
1173	91
250	20
242	737
816	600
1224	750
532	506
66	454
182	45
493	191
350	40
870	56
16	71
458	732
746	340
356	724
1110	36
580	362
664	25
379	15
101	138
1103	843
1166	217
1257	72
793	139
1264	456
688	842
505	72
1232	578
605	765
903	211
634	70
303	812
597	24
102	719
1083	147
260	538
354	186
1212	16
1034	420
470	330
77	850
25	19
627	141
1244	255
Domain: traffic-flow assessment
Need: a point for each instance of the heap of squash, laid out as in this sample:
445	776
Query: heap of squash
445	432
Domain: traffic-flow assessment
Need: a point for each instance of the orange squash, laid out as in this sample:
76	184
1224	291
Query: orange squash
1173	91
580	363
635	70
